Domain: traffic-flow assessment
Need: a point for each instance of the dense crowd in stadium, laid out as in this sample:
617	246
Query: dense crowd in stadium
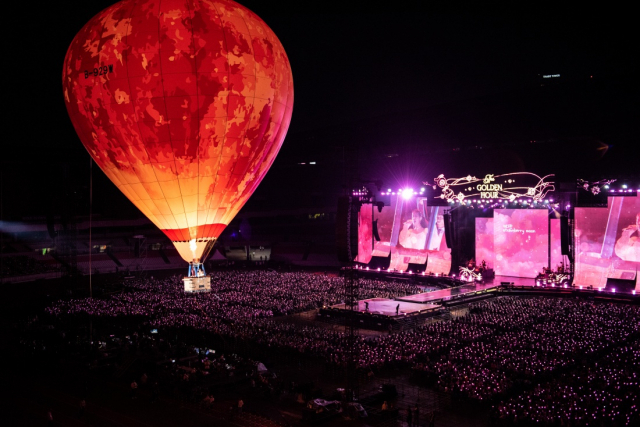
543	361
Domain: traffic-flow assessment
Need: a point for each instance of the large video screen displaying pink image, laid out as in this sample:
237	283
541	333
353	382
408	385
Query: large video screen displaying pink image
520	242
559	262
484	242
409	234
419	235
383	224
365	233
607	242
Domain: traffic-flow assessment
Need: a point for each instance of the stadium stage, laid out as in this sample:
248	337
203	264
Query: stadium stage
380	313
427	301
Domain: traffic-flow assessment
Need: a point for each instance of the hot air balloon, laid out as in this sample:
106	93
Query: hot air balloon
184	105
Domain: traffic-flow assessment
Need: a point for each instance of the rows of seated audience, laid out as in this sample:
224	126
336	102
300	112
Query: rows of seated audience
519	353
601	392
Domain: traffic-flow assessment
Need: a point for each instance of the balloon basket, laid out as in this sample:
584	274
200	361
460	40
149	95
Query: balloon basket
197	284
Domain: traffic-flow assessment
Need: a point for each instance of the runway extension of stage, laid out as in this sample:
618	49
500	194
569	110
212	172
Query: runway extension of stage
426	300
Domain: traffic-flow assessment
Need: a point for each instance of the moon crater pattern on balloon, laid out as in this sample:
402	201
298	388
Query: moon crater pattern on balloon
184	105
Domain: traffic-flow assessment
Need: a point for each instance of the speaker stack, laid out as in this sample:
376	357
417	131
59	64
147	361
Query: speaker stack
347	228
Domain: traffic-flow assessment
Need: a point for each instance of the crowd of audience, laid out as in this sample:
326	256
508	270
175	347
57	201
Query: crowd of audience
605	391
233	296
546	361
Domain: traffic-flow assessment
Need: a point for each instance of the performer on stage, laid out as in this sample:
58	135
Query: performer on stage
414	232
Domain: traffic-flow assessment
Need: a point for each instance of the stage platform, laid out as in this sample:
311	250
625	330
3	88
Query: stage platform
383	311
387	307
443	294
380	313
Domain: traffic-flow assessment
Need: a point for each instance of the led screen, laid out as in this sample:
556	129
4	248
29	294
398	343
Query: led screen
439	262
409	230
484	241
418	234
365	233
520	241
559	262
409	234
382	225
607	242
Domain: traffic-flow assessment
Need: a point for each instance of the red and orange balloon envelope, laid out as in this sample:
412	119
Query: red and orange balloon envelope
184	104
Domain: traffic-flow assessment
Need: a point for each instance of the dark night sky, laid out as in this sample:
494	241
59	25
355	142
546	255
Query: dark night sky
359	67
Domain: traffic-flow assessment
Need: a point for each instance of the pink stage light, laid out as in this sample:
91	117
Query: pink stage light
367	268
613	290
633	292
580	286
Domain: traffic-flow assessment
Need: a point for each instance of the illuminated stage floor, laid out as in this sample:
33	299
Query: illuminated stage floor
387	307
426	297
426	301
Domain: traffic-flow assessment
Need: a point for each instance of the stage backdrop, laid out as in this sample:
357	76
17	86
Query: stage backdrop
382	226
520	242
557	259
365	233
484	241
412	232
608	243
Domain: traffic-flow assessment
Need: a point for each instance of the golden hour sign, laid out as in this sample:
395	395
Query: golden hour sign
509	186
